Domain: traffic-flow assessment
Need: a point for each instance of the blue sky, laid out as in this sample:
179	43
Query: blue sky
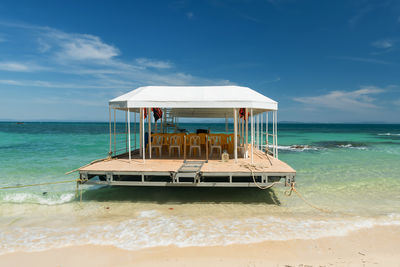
323	61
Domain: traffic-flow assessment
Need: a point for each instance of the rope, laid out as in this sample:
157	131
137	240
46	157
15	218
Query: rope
29	185
253	167
293	189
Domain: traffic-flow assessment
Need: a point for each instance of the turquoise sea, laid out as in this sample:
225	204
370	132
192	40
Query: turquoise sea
351	169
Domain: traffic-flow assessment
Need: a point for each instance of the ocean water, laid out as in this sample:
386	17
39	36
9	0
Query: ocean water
352	170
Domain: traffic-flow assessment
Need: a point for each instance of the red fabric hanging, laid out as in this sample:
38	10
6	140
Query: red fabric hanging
157	113
242	113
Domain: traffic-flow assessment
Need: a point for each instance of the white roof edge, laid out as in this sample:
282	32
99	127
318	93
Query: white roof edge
208	97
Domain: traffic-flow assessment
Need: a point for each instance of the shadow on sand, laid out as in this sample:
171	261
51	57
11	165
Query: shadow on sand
163	195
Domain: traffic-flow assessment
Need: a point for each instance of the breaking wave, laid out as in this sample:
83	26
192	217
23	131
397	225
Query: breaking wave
389	134
37	198
152	228
323	146
298	148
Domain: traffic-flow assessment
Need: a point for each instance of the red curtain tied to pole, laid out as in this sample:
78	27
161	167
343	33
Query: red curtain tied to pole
242	113
157	113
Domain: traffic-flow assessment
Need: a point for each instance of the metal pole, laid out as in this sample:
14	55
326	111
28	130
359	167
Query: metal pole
276	132
258	131
235	124
140	132
134	127
126	131
261	131
143	144
149	135
273	133
239	130
276	145
109	111
247	132
266	131
226	123
129	133
242	135
115	137
252	135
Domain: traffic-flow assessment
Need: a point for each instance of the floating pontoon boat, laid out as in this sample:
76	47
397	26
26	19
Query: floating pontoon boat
155	152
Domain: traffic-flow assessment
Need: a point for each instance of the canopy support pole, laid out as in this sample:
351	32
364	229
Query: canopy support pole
149	135
226	123
266	133
258	131
115	137
140	132
129	134
126	131
252	135
276	132
134	127
239	130
273	134
261	132
235	124
142	148
247	132
242	135
110	151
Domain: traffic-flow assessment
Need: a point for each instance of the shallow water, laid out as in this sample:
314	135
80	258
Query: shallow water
352	170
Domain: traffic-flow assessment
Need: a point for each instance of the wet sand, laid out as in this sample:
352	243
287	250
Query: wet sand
378	246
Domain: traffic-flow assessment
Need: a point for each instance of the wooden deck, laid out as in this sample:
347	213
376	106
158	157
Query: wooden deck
167	171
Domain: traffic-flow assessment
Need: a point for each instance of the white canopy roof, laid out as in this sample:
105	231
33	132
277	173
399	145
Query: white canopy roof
195	101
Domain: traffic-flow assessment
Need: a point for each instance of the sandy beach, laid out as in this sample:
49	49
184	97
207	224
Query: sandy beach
378	246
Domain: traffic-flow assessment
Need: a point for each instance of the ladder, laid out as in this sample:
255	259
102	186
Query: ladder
169	121
189	169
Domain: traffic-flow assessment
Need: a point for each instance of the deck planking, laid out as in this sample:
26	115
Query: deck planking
262	164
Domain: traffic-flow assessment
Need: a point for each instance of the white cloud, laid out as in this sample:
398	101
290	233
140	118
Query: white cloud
43	46
75	46
88	62
82	84
367	60
83	47
344	100
384	44
157	64
14	66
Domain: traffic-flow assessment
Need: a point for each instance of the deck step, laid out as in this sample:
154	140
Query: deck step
189	169
191	166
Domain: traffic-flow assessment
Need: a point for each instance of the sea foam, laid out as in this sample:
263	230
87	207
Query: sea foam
152	228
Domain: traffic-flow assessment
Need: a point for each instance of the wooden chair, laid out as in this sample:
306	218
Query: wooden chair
215	143
157	143
175	141
194	143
